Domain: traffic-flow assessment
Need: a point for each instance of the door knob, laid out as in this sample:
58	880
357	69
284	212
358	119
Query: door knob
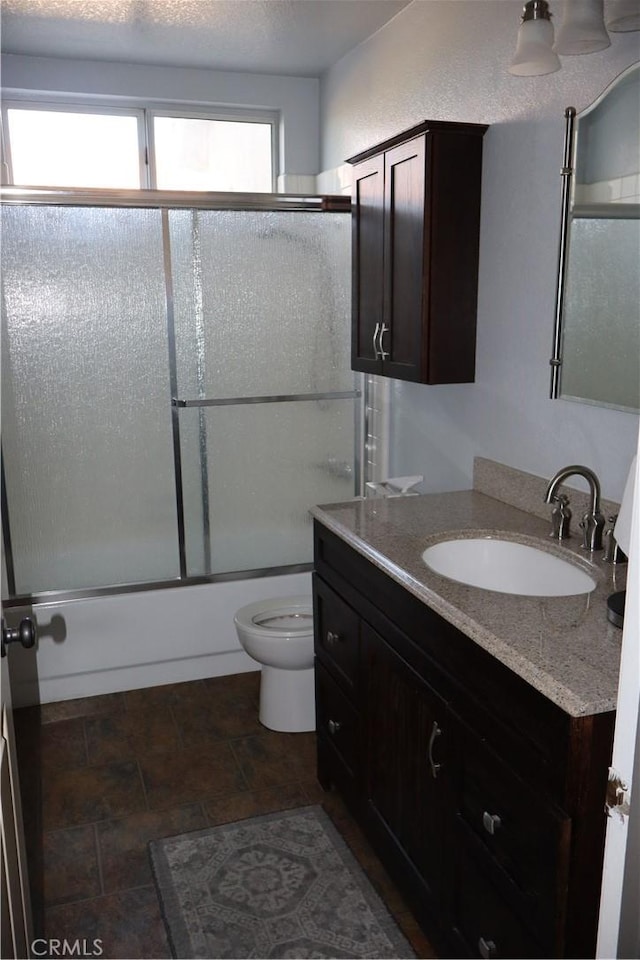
25	634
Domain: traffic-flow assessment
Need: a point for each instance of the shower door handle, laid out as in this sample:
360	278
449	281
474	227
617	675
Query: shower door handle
25	634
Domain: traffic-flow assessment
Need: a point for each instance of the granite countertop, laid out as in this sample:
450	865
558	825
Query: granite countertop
565	647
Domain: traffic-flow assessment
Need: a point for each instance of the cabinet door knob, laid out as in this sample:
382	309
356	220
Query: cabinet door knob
334	727
487	948
435	732
332	638
491	822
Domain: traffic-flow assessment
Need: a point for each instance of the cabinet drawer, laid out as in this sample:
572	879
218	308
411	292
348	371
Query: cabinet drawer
525	835
483	924
336	630
336	719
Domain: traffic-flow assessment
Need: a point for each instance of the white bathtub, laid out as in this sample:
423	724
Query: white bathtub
122	642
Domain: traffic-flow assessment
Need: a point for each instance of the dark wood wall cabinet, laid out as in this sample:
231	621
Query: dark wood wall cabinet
416	227
484	800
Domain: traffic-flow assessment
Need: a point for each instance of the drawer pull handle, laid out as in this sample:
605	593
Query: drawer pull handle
487	948
332	638
435	767
491	822
334	727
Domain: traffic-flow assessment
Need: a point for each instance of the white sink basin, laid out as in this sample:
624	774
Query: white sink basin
507	567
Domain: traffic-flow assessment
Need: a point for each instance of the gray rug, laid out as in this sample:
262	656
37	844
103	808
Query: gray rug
282	885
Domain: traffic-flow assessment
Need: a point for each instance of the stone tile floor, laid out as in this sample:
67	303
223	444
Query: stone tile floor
105	775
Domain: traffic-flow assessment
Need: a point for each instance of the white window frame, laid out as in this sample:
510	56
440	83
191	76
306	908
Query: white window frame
144	113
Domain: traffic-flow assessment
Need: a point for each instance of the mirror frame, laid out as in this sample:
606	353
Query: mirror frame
567	174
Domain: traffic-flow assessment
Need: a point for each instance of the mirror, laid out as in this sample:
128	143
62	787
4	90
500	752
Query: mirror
597	336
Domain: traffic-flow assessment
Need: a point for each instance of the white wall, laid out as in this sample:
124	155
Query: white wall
447	60
295	98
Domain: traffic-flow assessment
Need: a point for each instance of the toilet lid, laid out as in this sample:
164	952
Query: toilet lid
290	622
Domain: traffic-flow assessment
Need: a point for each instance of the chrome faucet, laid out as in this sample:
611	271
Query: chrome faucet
592	523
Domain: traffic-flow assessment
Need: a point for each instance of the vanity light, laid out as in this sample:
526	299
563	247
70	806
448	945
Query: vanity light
622	16
534	55
582	29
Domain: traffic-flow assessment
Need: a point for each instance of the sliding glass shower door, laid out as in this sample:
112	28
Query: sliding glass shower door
261	310
86	429
176	391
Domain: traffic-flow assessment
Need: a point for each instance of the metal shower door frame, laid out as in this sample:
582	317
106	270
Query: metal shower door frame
166	201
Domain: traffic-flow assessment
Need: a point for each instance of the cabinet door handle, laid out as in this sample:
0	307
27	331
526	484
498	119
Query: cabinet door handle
334	727
487	948
376	350
435	767
332	638
384	355
491	822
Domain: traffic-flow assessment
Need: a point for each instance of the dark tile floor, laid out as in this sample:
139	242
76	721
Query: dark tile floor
120	770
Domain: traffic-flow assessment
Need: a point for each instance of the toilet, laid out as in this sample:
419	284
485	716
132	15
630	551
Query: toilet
278	633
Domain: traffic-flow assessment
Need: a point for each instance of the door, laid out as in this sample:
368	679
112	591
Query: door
406	770
404	341
619	926
17	928
368	265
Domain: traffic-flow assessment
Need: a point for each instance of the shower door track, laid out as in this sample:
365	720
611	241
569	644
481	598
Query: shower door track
176	199
168	200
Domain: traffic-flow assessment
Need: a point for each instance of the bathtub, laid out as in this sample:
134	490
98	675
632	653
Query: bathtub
124	641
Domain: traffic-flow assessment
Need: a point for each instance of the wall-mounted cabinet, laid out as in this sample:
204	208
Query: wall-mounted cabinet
416	229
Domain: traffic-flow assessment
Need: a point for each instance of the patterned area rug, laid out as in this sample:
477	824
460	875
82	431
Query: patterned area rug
282	885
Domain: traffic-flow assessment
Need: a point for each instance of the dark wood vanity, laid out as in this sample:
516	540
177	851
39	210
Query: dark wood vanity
482	797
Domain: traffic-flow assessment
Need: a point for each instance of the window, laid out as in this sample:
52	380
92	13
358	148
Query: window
196	154
73	146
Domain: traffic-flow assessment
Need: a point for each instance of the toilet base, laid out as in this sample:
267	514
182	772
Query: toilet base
287	700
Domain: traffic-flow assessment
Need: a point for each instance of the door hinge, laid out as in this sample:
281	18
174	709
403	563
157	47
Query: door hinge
618	796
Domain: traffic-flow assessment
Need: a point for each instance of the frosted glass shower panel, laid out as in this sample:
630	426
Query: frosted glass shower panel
601	348
86	411
262	302
259	491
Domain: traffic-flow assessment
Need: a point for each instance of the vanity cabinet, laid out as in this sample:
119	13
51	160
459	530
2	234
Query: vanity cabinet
484	800
416	224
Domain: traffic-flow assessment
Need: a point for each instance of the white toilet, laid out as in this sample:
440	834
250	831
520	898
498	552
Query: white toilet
278	633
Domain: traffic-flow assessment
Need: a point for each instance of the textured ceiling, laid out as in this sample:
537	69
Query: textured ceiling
290	37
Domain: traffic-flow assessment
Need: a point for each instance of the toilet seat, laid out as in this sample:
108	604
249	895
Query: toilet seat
278	617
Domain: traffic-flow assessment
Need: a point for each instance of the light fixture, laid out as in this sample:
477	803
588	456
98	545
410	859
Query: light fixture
622	16
582	29
534	55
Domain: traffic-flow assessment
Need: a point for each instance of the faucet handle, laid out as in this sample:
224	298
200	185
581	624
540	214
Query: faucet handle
613	552
592	526
560	517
